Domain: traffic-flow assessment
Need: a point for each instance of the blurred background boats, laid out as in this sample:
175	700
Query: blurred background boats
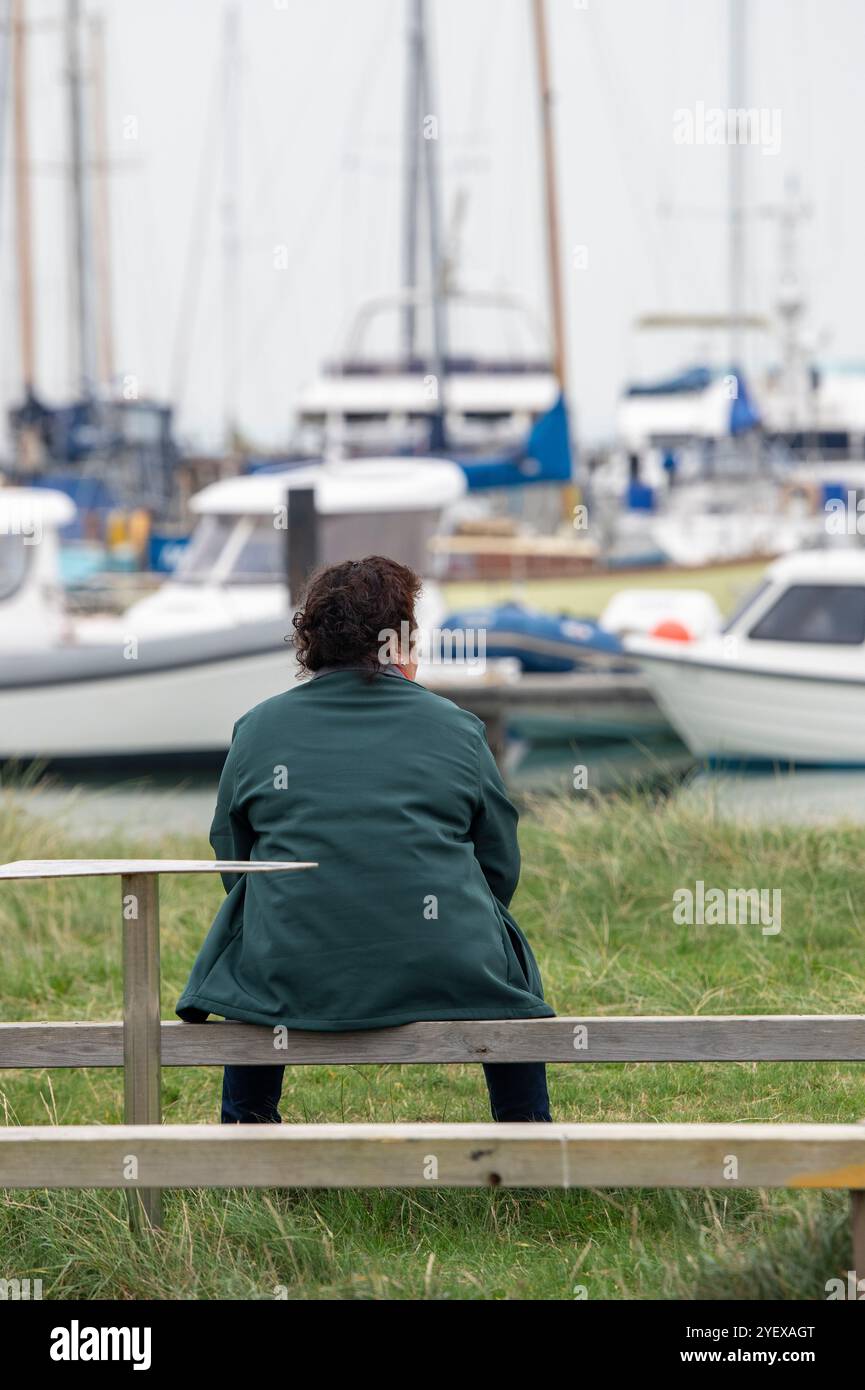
153	608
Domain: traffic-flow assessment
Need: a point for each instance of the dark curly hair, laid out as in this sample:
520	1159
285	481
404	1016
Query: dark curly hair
347	607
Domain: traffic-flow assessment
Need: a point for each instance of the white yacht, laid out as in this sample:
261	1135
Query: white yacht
784	682
371	401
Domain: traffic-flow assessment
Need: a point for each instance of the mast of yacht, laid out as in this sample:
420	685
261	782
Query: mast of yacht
84	355
23	211
102	208
27	440
438	432
568	492
412	122
551	192
736	184
5	74
231	173
421	126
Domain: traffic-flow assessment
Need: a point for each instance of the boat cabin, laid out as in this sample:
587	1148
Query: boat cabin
235	566
31	598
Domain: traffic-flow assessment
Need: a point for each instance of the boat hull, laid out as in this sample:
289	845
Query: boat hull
736	714
189	710
181	697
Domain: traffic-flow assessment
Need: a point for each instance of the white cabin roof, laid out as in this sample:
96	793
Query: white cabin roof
21	507
819	567
402	392
357	485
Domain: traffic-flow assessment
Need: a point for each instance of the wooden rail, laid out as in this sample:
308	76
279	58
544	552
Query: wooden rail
427	1155
141	1035
732	1038
560	1155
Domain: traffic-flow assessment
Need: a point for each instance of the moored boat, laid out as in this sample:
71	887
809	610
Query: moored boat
784	683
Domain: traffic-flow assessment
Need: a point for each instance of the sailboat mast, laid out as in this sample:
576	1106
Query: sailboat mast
84	368
438	432
736	185
230	226
5	77
551	196
412	117
23	220
102	218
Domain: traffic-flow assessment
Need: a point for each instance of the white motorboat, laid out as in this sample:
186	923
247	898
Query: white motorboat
31	597
784	682
173	673
234	570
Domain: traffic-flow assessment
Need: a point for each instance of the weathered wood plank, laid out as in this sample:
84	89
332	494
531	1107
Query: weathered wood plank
97	868
142	1102
429	1155
772	1037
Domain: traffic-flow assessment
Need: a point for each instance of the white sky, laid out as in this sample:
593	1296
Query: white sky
321	160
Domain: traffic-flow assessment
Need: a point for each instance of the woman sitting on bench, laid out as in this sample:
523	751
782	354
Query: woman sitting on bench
394	792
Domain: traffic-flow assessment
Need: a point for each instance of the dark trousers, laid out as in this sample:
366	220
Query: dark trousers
518	1091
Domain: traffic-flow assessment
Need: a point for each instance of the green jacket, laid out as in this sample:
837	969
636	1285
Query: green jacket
394	792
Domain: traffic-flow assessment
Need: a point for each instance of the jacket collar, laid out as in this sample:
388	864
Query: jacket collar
389	670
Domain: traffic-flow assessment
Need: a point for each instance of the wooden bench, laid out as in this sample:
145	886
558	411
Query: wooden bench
465	1155
559	1155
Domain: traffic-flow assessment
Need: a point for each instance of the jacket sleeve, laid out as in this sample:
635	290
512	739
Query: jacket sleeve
494	829
231	835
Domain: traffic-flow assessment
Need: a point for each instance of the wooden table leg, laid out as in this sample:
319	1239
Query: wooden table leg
141	1027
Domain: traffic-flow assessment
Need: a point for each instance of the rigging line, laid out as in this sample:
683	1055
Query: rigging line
323	194
295	257
364	86
644	221
484	64
275	165
194	263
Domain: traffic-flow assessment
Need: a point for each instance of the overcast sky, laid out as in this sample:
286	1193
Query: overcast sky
320	157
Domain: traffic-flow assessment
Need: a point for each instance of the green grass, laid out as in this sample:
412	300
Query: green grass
588	597
596	902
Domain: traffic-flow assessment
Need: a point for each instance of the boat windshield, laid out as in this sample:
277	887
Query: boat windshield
13	564
745	605
827	613
206	544
263	555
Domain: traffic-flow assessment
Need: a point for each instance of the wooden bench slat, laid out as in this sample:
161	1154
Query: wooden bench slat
829	1037
408	1155
97	868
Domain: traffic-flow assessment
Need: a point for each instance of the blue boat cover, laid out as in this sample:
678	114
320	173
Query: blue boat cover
539	641
544	458
744	414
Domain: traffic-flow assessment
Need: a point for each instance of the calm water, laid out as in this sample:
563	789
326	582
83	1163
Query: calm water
149	807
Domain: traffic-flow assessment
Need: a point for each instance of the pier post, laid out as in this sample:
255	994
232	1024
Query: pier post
141	1026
